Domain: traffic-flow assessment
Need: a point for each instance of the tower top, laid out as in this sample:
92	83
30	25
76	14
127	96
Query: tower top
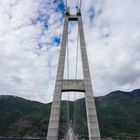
78	11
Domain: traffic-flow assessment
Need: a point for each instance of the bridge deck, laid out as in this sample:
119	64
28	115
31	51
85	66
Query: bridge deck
71	135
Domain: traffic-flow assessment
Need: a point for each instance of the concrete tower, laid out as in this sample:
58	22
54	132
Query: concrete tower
63	85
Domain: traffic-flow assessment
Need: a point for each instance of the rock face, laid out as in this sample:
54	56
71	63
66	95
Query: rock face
118	115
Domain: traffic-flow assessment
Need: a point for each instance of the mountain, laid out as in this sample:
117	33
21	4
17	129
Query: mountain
20	117
118	115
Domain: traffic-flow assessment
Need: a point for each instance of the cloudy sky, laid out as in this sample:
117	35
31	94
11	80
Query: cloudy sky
30	37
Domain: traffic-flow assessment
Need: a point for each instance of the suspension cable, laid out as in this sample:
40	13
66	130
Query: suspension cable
66	3
80	4
68	78
67	60
76	71
77	3
77	54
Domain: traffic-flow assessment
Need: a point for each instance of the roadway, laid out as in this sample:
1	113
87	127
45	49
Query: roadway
71	135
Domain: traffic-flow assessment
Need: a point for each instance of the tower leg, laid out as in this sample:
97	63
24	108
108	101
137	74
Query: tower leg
93	128
55	110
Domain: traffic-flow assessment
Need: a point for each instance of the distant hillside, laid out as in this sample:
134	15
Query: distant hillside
118	115
20	117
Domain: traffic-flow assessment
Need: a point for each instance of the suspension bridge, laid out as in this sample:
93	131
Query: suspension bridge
83	85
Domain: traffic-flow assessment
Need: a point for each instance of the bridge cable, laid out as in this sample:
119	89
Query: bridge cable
77	3
76	72
80	4
77	54
68	79
66	3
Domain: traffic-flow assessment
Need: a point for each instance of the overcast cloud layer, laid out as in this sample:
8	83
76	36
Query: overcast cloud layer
30	36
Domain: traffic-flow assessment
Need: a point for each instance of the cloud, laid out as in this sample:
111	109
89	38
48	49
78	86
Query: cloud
30	39
26	34
115	38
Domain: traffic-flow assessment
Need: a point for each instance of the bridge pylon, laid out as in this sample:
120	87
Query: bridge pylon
63	85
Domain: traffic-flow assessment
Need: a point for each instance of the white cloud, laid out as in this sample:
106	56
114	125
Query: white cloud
26	69
115	50
29	58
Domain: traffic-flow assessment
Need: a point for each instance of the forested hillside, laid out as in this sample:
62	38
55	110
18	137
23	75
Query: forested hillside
118	115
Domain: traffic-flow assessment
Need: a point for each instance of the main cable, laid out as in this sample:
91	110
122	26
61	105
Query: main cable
80	4
77	54
76	70
66	3
68	79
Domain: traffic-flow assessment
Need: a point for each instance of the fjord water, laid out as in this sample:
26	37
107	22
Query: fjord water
18	139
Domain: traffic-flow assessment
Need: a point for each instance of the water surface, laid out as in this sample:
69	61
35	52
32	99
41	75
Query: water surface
18	139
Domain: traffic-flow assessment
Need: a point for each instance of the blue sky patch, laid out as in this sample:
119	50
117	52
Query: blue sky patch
41	18
46	25
56	41
91	14
61	7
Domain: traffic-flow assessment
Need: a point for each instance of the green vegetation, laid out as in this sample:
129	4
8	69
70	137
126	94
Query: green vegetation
20	117
118	115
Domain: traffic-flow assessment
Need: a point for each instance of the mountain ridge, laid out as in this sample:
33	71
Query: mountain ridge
118	115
